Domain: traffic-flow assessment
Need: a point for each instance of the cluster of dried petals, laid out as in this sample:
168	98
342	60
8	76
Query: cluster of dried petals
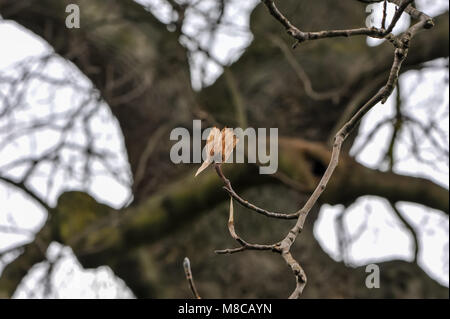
219	146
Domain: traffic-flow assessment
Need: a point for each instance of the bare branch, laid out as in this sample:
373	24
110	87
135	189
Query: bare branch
247	204
401	47
190	277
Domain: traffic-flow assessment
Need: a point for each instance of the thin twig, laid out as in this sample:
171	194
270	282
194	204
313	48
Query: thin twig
24	188
383	21
246	203
301	36
190	278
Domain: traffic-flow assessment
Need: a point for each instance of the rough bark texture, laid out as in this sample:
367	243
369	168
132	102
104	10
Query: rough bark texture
142	73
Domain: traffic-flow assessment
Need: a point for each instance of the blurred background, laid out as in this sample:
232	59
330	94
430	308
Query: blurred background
92	207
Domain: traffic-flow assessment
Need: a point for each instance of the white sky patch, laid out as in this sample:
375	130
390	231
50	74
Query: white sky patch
372	228
230	38
425	98
376	13
431	7
40	102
